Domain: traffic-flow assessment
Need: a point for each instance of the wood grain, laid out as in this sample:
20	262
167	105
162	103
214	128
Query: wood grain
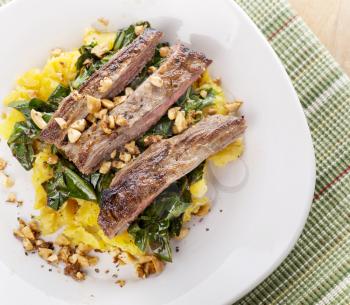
330	21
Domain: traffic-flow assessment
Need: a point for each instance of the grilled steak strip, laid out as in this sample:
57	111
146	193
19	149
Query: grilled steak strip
142	109
139	183
122	68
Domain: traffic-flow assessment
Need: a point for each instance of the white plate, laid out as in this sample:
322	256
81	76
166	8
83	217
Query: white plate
261	219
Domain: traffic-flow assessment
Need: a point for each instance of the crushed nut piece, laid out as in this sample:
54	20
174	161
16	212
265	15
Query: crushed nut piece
233	107
105	167
139	29
132	148
11	198
156	81
79	125
113	154
93	104
73	270
45	253
56	52
83	261
73	135
121	283
128	91
61	122
8	181
100	49
203	210
83	249
3	164
203	93
111	122
52	159
62	240
151	69
121	121
37	118
105	127
211	111
93	260
64	253
164	51
53	259
152	139
183	233
101	113
180	122
172	112
27	244
124	156
107	104
91	118
105	84
103	21
27	232
119	100
118	164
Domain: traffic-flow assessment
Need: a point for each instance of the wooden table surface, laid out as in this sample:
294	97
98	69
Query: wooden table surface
330	21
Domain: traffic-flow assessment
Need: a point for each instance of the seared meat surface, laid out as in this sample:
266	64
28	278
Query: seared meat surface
142	109
120	70
139	183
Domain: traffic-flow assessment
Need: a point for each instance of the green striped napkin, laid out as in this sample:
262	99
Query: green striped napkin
317	271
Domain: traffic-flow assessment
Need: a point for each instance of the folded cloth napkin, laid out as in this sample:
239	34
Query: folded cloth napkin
317	271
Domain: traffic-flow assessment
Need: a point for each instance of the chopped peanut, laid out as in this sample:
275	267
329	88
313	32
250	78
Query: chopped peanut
139	29
180	122
203	93
118	164
37	118
11	198
56	52
3	164
61	240
93	104
45	253
151	69
113	154
27	244
119	100
107	104
105	84
203	210
124	156
211	111
103	21
183	233
73	135
121	121
53	259
105	167
101	113
79	125
99	50
27	232
156	81
128	91
132	148
91	118
152	139
52	159
111	122
164	51
8	182
233	107
121	283
61	122
172	112
83	249
64	254
105	127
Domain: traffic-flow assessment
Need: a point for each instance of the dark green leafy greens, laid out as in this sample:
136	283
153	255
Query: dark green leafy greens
162	220
67	183
25	133
192	100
